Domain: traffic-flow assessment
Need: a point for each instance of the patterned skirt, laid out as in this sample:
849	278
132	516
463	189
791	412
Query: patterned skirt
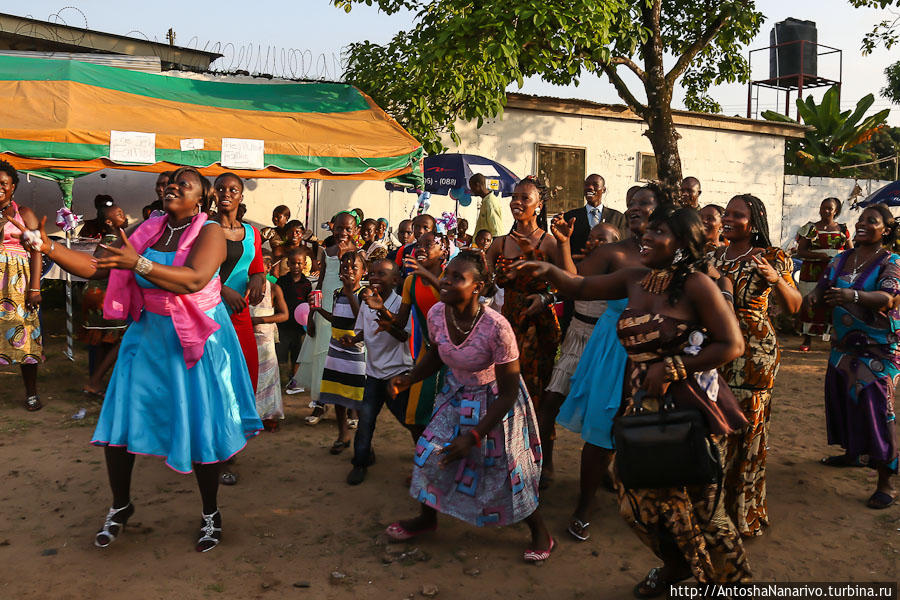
689	521
745	464
570	352
20	328
497	484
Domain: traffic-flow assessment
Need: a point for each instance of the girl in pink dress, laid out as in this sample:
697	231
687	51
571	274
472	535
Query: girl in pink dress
479	459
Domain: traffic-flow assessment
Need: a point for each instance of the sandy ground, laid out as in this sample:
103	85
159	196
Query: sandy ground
291	522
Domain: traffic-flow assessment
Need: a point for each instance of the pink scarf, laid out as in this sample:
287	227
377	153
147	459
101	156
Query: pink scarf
125	298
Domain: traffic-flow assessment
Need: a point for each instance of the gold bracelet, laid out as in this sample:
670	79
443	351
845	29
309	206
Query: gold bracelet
143	266
679	367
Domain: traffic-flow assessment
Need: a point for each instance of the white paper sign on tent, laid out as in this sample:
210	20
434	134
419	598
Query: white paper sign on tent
239	153
191	144
132	147
486	170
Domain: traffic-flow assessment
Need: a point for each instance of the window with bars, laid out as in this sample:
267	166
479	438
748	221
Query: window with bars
562	168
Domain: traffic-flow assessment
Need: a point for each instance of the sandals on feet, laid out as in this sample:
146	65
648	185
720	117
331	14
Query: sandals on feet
398	533
536	556
228	478
579	530
210	532
880	500
841	460
652	585
114	525
338	446
33	403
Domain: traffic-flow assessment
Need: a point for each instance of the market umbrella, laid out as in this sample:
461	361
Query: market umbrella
448	175
889	194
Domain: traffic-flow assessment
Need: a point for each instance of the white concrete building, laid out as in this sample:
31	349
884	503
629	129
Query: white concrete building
567	139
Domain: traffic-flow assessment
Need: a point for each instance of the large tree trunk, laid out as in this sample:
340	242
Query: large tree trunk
658	112
664	140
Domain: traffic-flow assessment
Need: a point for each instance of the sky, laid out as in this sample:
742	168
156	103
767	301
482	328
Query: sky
309	35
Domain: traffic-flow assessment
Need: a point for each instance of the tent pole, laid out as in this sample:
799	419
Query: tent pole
65	185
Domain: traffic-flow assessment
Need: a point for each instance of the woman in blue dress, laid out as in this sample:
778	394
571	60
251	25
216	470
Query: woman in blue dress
595	394
862	287
180	388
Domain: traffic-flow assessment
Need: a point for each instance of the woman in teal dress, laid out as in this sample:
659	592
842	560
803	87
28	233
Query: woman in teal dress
180	388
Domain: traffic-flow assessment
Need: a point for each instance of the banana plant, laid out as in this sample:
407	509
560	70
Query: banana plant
834	138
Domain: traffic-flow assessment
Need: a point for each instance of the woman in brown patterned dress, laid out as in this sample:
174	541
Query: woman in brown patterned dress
675	315
527	302
755	271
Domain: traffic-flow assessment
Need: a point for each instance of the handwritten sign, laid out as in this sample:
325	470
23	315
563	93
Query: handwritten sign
243	154
191	144
132	147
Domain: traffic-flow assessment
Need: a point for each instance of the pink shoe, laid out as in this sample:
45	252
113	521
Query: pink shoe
536	556
399	533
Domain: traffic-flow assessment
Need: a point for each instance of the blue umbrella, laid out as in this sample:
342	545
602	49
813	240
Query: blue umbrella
448	175
889	194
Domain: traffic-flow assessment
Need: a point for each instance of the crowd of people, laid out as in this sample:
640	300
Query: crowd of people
479	345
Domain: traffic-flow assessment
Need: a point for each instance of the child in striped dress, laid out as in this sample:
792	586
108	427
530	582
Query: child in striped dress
344	377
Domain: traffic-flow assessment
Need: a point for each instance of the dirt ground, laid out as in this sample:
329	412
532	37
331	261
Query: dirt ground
294	529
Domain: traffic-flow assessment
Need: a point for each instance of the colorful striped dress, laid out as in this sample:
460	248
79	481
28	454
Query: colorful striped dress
421	296
344	377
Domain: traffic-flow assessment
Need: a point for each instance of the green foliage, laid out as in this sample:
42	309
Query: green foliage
835	137
884	143
892	90
460	57
885	33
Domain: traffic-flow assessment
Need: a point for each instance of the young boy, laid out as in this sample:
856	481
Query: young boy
277	235
421	225
295	288
483	240
387	355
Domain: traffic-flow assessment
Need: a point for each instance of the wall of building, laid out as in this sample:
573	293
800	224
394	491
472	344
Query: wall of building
726	162
803	195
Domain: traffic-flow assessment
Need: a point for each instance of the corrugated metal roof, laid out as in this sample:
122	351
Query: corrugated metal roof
147	64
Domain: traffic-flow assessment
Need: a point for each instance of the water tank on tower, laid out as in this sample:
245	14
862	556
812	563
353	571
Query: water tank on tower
788	60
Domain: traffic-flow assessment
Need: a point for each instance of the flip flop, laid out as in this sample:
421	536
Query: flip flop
841	460
536	556
399	533
93	394
880	500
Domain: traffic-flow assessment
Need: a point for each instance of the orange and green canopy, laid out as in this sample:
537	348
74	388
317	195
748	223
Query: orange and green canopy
56	117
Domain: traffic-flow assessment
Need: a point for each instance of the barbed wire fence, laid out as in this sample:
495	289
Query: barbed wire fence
247	58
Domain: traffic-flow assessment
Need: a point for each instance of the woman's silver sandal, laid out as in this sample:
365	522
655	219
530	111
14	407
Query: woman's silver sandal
578	530
210	532
114	525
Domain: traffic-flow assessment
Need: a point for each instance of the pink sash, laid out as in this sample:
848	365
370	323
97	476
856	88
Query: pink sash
124	297
10	241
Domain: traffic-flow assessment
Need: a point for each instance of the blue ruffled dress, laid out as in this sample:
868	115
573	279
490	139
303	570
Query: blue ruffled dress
596	391
155	405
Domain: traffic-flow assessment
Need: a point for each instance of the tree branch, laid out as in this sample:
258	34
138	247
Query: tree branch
701	42
623	91
621	60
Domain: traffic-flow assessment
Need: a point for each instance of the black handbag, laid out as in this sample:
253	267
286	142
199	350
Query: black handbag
668	448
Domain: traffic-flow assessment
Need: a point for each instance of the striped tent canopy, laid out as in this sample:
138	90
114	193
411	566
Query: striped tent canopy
56	117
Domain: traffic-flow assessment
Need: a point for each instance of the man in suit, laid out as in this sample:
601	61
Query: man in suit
593	213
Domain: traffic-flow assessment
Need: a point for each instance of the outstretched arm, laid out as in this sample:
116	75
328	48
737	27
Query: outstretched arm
596	287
